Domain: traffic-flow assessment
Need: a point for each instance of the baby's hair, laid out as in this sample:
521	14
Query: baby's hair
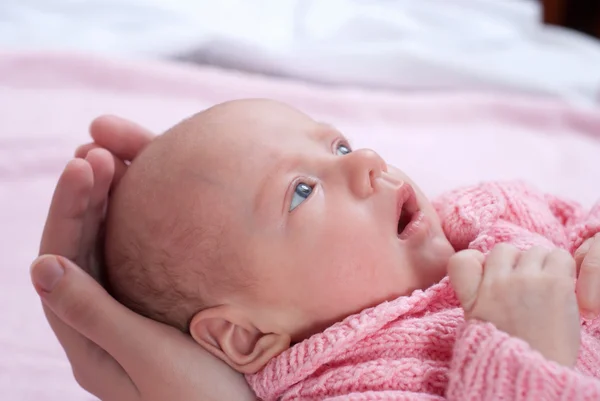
166	256
166	278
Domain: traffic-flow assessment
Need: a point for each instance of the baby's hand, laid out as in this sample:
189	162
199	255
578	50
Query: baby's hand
587	258
530	295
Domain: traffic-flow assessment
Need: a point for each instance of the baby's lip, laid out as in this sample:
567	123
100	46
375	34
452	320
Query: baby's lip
407	207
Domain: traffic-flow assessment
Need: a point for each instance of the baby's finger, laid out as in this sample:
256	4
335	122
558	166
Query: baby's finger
500	261
588	282
582	251
532	260
123	138
465	270
560	263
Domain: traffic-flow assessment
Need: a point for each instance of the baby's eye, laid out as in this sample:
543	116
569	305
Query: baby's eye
343	149
301	193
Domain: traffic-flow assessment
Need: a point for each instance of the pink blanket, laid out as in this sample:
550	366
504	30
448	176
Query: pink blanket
443	140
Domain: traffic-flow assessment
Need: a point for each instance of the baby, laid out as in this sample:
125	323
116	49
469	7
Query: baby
319	271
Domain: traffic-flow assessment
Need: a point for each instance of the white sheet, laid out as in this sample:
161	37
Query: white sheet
425	44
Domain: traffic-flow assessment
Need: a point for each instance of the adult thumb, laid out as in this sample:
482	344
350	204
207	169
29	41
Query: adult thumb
78	300
46	273
74	311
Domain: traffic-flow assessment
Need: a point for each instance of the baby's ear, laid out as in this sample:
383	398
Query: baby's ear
233	338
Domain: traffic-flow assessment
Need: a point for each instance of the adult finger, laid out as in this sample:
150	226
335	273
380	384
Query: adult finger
62	235
123	138
94	369
64	225
588	282
465	270
103	170
63	228
119	166
82	150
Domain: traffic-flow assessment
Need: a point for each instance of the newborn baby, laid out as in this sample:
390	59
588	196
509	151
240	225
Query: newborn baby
289	256
267	222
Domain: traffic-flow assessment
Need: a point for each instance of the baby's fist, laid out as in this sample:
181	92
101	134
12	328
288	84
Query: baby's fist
529	295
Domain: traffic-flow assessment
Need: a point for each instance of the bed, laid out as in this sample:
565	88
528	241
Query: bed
466	126
48	100
498	45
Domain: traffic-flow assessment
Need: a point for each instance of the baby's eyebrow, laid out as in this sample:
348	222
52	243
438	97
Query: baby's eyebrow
326	131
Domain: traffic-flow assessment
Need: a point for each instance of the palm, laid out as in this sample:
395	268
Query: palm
115	353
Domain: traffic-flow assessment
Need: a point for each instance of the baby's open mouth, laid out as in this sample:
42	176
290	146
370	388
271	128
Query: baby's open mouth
405	219
408	210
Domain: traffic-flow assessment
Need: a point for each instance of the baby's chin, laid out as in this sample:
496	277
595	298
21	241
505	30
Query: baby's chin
435	260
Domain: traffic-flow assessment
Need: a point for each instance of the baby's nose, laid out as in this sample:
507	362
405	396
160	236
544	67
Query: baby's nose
363	168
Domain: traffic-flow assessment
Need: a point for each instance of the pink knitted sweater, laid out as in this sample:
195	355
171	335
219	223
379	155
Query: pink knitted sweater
419	347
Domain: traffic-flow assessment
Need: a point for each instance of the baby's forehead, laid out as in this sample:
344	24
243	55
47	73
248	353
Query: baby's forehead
238	141
218	164
240	132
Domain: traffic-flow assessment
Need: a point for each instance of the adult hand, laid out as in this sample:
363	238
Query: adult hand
115	354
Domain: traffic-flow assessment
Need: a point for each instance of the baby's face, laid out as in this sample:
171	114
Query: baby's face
324	230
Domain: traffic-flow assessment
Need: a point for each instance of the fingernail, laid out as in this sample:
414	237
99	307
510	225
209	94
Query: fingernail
585	247
46	272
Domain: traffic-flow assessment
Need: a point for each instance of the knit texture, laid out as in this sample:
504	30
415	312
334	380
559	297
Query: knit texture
419	347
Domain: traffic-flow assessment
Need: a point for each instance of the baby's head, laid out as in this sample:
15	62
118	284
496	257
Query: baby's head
252	226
